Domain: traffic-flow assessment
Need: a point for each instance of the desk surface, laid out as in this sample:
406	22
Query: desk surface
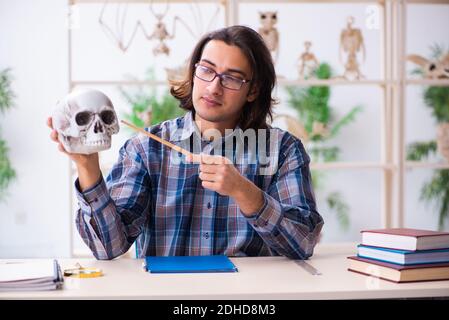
258	278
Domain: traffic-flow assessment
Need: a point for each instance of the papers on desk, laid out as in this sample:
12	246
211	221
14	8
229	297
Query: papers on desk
30	275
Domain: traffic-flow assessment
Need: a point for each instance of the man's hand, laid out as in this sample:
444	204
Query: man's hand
219	174
88	165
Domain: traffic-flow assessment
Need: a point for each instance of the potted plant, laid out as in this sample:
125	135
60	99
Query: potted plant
7	173
436	98
147	108
316	125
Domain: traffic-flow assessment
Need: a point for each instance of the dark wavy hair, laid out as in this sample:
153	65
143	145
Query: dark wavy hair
256	113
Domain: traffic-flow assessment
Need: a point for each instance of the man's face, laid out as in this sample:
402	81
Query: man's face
212	102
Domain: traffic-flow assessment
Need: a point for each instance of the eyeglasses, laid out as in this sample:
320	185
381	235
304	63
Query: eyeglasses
227	81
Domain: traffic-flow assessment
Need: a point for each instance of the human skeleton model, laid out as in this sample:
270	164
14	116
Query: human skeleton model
160	32
432	69
269	33
351	42
307	62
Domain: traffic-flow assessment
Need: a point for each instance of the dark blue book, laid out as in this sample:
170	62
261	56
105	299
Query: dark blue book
189	264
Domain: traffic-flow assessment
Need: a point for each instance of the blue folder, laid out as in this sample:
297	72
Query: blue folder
189	264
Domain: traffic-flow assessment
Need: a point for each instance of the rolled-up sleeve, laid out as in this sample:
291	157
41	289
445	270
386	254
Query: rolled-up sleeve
289	222
112	213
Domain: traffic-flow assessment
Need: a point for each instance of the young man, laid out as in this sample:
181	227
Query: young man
225	201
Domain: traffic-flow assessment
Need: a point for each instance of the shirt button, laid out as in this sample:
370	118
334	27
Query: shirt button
208	205
206	235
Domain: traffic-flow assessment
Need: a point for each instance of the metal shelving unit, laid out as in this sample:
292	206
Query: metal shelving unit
393	83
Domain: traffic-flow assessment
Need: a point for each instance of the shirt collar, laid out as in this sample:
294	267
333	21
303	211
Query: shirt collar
186	127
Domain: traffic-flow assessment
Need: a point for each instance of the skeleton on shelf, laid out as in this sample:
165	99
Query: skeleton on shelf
160	32
307	62
351	42
438	69
269	33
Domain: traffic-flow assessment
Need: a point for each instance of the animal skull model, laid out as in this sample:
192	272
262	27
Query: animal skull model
85	122
438	69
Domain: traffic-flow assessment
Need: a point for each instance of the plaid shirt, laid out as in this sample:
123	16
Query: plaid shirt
160	203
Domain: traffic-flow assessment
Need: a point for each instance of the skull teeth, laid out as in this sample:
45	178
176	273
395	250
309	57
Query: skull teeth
96	143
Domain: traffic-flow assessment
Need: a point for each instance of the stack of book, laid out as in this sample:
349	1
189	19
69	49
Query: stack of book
30	275
402	255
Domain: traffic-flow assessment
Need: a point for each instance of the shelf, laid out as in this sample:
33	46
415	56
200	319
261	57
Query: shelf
351	165
426	165
429	82
428	2
120	83
329	82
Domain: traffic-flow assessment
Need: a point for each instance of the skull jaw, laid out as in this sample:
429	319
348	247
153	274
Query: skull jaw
79	146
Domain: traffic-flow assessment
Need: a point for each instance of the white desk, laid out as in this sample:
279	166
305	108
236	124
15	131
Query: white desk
258	278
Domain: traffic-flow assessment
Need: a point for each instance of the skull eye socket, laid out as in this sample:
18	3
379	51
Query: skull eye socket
83	118
107	116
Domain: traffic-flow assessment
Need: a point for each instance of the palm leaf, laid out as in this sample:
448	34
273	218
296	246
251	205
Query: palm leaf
420	150
348	118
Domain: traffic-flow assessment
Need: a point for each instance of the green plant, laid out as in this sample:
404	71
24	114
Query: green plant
147	108
7	173
320	125
435	191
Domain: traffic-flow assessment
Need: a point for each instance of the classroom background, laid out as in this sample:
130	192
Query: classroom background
378	160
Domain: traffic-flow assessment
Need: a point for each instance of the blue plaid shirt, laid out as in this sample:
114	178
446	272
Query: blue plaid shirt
160	203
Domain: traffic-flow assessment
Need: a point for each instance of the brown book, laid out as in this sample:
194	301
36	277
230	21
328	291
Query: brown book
405	239
397	273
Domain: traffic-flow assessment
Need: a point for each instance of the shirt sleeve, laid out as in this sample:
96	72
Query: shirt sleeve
289	222
111	214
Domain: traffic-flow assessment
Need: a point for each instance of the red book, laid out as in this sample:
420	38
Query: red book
397	273
405	239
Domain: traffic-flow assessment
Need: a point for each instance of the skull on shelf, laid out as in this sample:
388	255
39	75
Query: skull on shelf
85	122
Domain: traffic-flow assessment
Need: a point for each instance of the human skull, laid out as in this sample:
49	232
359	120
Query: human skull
85	122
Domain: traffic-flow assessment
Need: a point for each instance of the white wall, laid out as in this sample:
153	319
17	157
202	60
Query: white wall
35	220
